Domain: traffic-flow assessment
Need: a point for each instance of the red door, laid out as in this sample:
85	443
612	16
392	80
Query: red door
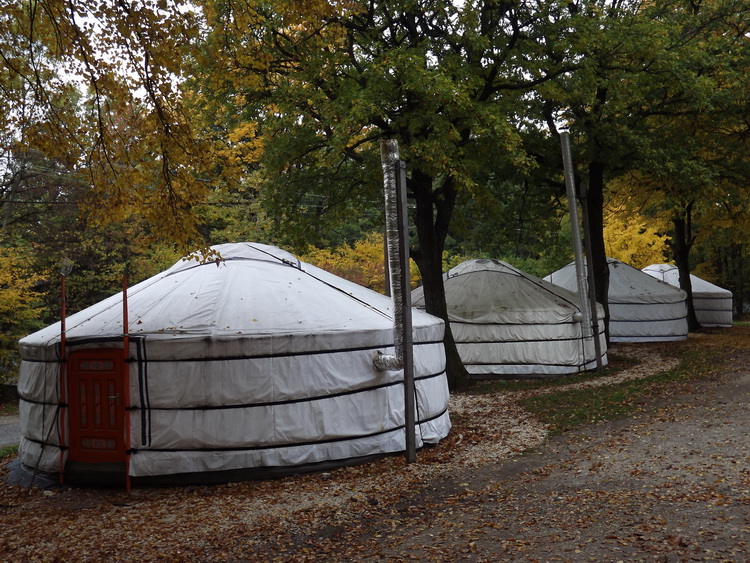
96	385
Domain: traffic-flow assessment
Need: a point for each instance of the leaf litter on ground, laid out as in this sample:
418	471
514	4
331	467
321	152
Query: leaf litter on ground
302	517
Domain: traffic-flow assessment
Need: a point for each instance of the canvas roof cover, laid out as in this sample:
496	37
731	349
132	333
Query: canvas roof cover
641	308
509	323
257	360
713	304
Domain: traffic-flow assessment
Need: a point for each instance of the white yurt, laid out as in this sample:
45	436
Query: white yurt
254	364
641	308
713	304
507	323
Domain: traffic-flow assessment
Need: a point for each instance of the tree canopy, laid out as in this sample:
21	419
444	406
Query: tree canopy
326	82
643	71
95	86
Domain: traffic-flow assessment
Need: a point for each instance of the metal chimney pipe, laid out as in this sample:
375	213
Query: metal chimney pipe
389	157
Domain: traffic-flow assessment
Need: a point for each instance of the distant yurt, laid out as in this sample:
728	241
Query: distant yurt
251	365
507	323
641	308
713	304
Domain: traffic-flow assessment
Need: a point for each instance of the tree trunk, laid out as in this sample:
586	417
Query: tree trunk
433	213
595	210
681	243
739	273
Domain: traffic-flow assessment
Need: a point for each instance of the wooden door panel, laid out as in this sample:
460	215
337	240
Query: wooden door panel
96	379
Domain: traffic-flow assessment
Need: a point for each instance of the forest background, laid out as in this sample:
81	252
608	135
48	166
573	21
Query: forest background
135	132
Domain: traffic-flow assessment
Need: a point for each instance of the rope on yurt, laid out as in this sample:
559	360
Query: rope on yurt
52	426
63	358
44	443
299	267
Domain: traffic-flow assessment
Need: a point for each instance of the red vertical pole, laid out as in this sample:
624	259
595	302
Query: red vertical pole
126	378
63	383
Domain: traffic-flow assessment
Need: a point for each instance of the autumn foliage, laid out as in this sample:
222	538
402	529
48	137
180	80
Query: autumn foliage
362	262
635	240
19	304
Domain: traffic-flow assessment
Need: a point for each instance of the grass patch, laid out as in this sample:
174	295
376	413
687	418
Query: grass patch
565	410
8	451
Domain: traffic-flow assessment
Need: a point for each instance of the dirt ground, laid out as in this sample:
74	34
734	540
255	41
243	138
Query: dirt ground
671	483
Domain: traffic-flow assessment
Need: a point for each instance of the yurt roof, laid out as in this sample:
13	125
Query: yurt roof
626	284
492	291
671	275
253	290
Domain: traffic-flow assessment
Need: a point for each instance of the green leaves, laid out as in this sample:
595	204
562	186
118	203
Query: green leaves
324	89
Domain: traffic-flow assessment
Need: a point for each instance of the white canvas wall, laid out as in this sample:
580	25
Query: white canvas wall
261	361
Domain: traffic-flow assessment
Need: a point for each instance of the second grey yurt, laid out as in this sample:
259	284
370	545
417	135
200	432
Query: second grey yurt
507	323
641	308
254	363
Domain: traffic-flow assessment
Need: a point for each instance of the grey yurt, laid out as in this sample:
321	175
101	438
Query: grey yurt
641	308
713	304
507	323
254	363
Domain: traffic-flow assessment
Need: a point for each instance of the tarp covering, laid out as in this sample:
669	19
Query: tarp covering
713	304
509	323
256	360
641	308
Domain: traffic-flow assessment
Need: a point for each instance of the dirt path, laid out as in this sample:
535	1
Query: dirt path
669	485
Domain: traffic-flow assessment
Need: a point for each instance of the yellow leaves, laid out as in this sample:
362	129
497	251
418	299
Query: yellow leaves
120	124
302	12
240	151
12	285
629	235
636	240
18	300
361	263
244	133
